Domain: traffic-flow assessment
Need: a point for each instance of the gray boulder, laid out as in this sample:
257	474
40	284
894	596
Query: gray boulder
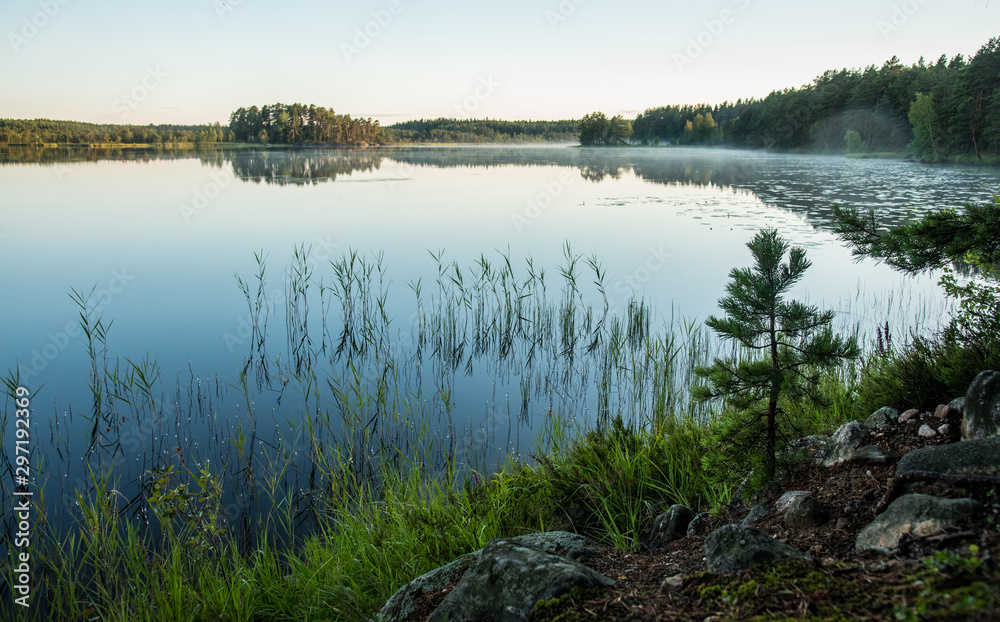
884	417
917	516
977	457
872	454
571	545
958	404
844	442
788	498
735	548
805	513
508	579
981	417
700	524
945	412
927	431
757	513
670	525
400	605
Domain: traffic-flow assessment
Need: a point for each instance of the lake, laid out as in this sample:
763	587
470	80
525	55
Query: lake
249	291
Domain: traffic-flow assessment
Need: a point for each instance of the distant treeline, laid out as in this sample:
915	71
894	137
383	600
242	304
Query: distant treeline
483	131
298	123
937	111
289	124
39	131
949	109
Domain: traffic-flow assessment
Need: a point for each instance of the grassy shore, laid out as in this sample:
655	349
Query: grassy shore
361	492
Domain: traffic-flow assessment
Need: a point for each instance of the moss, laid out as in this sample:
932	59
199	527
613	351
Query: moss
952	584
562	608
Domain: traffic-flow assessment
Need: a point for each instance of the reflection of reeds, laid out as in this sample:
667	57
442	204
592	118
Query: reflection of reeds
371	423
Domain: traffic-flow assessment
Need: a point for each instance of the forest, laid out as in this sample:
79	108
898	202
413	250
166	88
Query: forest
948	109
945	110
45	131
298	123
482	131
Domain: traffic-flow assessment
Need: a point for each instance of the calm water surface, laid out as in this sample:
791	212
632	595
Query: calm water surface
159	238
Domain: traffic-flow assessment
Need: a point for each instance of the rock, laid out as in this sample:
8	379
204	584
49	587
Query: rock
979	457
981	417
670	525
908	415
958	404
508	579
735	548
756	514
400	605
700	524
572	545
844	442
843	523
944	430
672	584
805	513
882	418
914	515
944	412
872	454
927	431
785	501
814	447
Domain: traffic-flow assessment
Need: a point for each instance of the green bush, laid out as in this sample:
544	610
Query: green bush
932	370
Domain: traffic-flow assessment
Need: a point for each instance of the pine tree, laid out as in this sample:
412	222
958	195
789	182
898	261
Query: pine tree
786	345
970	234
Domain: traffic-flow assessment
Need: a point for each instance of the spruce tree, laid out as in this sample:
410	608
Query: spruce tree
785	345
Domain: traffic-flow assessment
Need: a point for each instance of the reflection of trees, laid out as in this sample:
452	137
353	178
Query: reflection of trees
808	185
598	172
63	155
302	167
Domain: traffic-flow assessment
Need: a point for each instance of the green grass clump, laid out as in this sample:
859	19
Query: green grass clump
615	479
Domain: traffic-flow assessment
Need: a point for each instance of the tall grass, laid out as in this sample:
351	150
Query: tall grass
344	461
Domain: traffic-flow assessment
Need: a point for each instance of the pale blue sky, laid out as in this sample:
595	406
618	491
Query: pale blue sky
194	61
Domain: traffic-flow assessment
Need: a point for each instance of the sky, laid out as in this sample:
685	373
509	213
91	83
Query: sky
195	61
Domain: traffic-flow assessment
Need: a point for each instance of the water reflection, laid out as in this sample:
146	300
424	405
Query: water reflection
807	185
